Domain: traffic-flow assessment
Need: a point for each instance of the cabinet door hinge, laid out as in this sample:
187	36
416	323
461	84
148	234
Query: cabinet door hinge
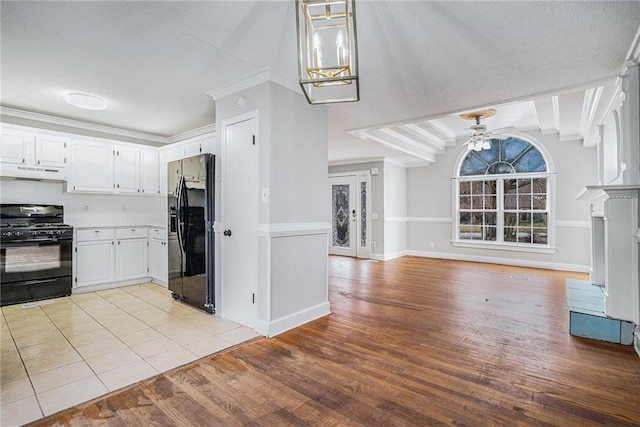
76	280
254	139
147	269
253	298
65	160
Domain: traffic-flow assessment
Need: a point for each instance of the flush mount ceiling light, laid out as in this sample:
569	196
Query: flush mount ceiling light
86	101
327	50
481	138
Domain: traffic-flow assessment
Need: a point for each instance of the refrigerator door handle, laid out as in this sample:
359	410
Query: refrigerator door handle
179	222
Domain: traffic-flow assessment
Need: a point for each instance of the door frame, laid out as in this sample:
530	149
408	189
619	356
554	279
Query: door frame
361	176
221	225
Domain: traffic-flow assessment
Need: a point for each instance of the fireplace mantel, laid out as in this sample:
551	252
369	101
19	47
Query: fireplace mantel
596	192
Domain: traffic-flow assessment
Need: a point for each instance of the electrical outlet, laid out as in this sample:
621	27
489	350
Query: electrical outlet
373	244
85	206
374	216
431	246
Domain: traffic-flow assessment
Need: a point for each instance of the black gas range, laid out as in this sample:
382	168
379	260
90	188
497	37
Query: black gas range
36	253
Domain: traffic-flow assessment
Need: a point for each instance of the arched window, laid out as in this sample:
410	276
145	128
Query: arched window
503	195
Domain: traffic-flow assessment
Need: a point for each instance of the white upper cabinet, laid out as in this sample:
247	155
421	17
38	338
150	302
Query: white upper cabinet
149	171
28	154
91	167
126	169
14	145
51	151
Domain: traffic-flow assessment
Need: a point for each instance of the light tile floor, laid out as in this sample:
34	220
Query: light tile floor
58	354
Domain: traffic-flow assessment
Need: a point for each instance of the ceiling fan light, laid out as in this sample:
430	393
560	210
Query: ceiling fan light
486	145
86	101
478	146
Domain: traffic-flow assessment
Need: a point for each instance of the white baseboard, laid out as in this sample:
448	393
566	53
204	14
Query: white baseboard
636	342
504	261
294	320
104	286
389	256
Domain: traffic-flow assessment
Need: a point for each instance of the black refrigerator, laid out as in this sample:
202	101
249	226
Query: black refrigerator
190	184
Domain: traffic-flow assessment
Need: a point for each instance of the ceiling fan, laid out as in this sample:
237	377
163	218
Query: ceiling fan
481	138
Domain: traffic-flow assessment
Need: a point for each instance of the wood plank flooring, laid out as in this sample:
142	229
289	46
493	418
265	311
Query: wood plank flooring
411	341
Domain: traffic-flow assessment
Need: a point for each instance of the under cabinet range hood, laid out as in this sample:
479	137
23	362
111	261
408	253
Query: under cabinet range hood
32	173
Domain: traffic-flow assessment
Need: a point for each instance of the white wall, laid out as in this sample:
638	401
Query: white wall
101	209
294	224
395	209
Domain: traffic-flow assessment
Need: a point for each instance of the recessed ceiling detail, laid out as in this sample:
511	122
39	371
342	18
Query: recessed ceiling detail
572	114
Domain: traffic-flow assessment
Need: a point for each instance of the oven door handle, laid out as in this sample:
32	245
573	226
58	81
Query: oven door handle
31	282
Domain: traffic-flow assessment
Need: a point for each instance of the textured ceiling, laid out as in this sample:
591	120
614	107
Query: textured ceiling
155	61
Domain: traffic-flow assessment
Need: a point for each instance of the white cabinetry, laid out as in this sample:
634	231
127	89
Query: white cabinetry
126	169
149	171
158	255
110	257
91	167
131	253
95	256
27	154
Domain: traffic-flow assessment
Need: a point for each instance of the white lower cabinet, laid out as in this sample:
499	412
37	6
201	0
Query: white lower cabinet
106	256
158	256
94	262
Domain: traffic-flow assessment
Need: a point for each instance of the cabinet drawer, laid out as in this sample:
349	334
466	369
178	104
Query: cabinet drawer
89	234
157	233
131	232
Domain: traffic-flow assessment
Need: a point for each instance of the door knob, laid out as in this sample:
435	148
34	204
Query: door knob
227	232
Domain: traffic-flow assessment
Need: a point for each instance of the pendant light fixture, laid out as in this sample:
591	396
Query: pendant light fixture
327	50
481	138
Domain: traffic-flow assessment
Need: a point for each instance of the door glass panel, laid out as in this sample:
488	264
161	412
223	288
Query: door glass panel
340	215
363	214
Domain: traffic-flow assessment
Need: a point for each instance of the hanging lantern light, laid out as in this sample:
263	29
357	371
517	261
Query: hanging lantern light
327	50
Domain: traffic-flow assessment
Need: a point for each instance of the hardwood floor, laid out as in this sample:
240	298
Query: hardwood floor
411	341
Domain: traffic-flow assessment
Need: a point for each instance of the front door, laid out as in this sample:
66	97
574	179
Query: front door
344	216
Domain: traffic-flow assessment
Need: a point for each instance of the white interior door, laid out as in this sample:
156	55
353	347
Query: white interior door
344	216
240	215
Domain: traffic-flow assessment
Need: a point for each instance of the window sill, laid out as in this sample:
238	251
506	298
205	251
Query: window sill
504	246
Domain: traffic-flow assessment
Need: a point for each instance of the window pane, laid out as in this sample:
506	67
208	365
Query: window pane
511	202
510	219
540	236
510	234
491	187
490	233
524	186
524	234
466	232
540	185
465	218
524	219
510	186
540	201
476	187
476	202
465	187
490	202
465	202
540	220
524	201
476	218
490	218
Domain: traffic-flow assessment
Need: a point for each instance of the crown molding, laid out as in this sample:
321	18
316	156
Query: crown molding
263	75
194	133
77	124
356	161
